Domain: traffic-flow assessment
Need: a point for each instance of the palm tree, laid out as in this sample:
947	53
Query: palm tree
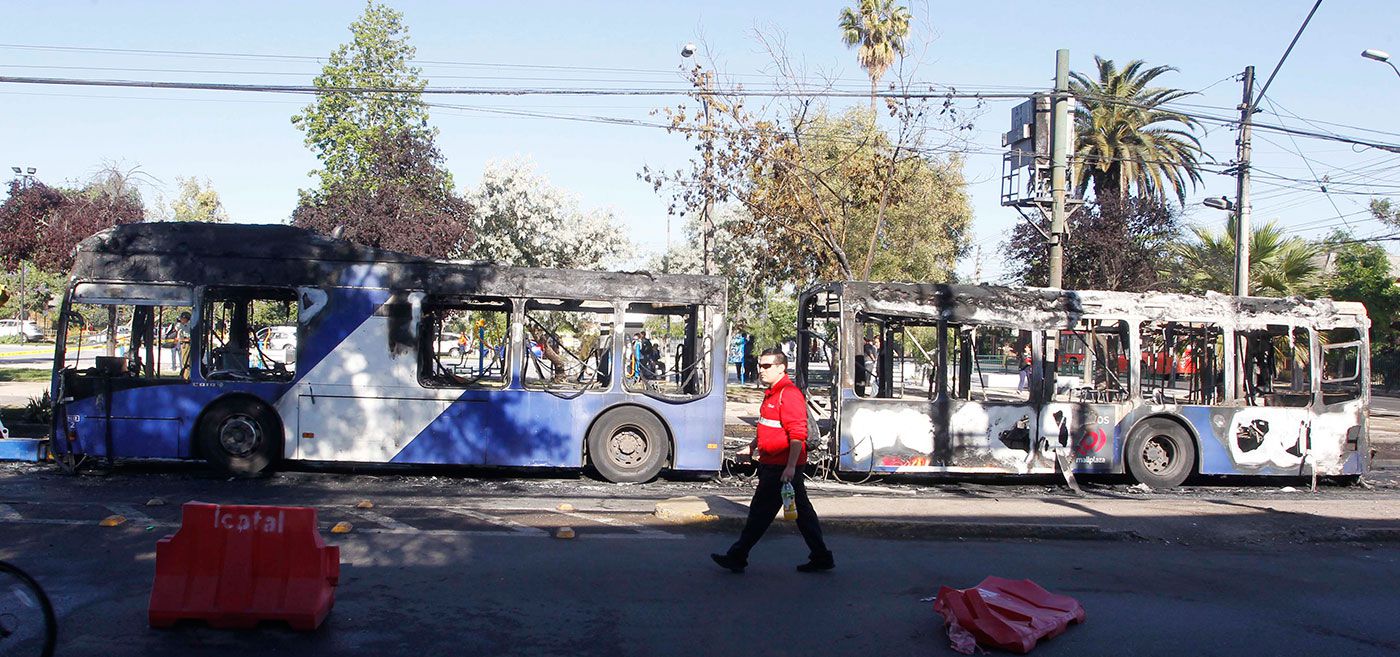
1125	139
879	28
1279	266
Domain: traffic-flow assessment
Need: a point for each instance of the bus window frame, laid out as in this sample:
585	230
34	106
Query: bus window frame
427	341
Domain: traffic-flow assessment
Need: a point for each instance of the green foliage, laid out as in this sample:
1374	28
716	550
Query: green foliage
1279	266
40	288
877	28
776	321
343	124
1385	211
843	193
1125	140
197	202
27	374
39	409
1111	244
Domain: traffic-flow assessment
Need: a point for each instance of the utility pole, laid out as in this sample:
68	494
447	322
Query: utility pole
708	227
1059	159
1242	233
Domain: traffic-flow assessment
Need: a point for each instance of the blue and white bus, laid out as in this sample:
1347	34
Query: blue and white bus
936	378
246	345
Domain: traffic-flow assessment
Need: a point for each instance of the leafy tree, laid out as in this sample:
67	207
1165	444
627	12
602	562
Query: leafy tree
1385	212
737	258
1279	266
42	224
412	208
877	28
40	287
1125	140
887	212
522	220
344	126
1111	244
827	197
197	202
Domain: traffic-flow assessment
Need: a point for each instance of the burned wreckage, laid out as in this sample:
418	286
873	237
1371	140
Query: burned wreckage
244	345
957	378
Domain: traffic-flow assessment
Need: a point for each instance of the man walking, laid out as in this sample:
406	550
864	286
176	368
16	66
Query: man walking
781	445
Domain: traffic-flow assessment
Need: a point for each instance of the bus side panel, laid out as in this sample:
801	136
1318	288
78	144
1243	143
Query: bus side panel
504	427
535	428
698	431
155	421
1251	440
889	435
1091	432
1339	438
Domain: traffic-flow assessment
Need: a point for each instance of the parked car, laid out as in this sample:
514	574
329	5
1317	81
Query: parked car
278	341
449	343
26	329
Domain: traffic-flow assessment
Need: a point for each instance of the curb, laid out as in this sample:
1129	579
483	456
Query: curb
695	511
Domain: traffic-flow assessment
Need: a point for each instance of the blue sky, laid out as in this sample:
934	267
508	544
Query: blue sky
245	143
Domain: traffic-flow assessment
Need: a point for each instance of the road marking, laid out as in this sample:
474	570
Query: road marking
388	523
131	513
27	352
613	522
8	514
499	522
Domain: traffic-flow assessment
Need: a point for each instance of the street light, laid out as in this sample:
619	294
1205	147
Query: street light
1219	203
1380	56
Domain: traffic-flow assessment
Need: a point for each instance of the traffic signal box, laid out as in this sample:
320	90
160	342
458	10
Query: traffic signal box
234	566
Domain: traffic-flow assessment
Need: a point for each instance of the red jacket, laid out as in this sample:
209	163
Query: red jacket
782	418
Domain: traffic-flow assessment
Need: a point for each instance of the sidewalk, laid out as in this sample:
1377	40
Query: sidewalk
1272	515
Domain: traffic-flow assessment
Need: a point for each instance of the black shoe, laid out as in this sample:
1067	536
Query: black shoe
817	565
732	563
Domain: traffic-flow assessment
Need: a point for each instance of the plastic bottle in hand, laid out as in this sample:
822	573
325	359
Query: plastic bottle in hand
789	502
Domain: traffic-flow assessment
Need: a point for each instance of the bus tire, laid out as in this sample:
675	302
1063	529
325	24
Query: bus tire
628	445
239	436
1160	453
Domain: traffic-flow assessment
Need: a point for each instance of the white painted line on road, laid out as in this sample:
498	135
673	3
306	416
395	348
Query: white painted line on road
613	522
132	513
389	523
533	533
499	522
57	521
8	514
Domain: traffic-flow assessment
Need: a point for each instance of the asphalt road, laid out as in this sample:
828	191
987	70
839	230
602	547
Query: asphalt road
445	564
505	595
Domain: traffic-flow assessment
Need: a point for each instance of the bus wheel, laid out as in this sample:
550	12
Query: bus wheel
628	445
238	436
1160	453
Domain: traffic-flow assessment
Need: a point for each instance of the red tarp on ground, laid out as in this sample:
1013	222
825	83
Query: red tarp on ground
1005	613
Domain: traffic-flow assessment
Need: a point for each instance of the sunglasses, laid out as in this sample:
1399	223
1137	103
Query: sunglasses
764	366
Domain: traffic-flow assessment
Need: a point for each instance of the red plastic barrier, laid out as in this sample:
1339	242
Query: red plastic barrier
233	566
1006	613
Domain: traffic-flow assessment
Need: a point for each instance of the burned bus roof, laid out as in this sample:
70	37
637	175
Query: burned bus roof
277	256
1045	308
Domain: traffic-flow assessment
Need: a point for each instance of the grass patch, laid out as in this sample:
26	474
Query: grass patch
24	374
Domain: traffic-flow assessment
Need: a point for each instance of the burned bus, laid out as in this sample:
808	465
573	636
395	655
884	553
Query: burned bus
246	345
985	379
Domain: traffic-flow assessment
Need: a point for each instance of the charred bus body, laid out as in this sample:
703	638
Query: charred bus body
300	346
955	378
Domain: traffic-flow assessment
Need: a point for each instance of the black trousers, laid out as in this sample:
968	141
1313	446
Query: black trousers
767	501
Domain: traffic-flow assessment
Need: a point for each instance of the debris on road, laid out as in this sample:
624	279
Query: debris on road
1004	613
